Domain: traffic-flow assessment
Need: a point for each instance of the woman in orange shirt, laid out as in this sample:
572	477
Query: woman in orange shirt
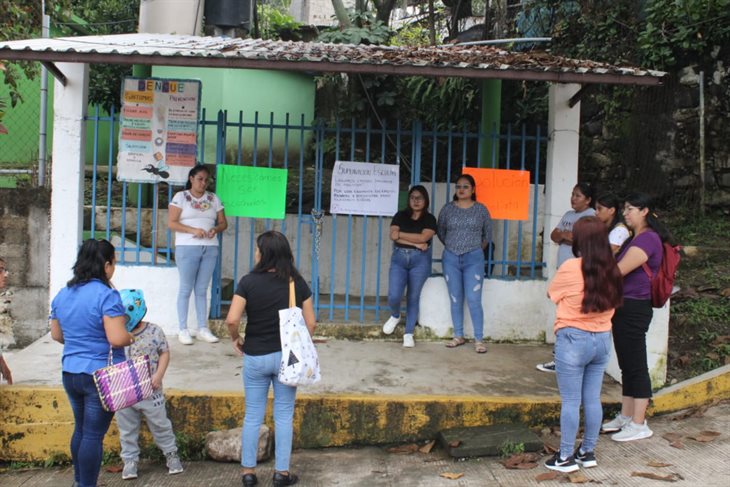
586	290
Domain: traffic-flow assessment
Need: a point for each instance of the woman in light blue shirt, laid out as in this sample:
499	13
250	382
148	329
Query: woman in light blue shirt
88	318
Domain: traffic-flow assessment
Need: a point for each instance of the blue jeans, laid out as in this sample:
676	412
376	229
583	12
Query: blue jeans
196	264
260	371
409	267
91	423
580	361
464	276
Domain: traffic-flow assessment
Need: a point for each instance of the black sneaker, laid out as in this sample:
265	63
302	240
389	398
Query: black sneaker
568	465
587	459
281	480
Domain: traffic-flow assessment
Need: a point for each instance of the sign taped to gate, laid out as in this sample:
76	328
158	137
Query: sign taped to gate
364	188
158	130
505	192
254	192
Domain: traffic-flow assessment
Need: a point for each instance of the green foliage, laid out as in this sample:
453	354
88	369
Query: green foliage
677	30
412	35
366	29
276	23
509	448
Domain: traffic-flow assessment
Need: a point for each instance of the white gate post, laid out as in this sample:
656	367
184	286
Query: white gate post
67	171
561	174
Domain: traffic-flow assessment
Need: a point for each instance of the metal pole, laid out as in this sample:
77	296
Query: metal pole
702	142
43	136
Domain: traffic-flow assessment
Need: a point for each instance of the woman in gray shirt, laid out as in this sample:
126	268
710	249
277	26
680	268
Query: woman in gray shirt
465	229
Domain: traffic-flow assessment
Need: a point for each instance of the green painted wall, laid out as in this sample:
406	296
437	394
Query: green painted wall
251	90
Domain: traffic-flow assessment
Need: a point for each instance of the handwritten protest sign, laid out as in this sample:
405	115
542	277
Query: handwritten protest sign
363	188
505	192
255	192
158	130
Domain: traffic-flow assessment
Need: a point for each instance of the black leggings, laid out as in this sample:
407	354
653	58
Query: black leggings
630	324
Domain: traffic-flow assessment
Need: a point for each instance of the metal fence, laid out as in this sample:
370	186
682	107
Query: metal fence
345	256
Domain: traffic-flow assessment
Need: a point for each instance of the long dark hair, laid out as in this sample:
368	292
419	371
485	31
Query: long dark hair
588	191
276	254
471	181
602	280
93	256
643	200
195	170
611	200
419	189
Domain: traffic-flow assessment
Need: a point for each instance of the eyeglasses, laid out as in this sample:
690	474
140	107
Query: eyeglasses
463	186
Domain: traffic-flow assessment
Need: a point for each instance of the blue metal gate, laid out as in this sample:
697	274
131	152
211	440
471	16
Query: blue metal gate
346	256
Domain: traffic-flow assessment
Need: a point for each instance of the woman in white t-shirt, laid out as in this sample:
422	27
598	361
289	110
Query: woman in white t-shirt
609	209
197	217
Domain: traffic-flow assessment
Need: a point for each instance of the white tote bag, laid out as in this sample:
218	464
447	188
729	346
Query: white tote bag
299	361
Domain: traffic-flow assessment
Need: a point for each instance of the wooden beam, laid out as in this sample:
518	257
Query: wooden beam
55	72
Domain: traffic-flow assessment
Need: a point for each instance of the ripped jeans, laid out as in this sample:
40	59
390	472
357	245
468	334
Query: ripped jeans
464	276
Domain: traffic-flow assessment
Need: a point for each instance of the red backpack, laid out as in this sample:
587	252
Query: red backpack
663	281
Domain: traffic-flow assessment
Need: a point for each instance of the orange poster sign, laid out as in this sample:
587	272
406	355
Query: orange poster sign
505	192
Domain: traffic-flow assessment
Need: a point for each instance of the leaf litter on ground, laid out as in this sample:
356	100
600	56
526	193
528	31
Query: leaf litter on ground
672	477
521	461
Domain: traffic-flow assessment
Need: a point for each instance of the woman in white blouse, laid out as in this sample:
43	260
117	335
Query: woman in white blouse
197	217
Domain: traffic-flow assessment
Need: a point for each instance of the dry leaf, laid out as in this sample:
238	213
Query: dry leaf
403	449
672	437
550	448
672	477
114	468
547	476
578	478
658	464
521	461
427	447
451	476
454	444
677	444
705	436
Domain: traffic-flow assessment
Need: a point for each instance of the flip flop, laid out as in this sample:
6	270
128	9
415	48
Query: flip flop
480	347
455	342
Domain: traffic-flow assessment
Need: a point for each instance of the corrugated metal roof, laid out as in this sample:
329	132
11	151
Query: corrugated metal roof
462	61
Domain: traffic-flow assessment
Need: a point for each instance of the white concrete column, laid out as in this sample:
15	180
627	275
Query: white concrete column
183	17
67	171
561	174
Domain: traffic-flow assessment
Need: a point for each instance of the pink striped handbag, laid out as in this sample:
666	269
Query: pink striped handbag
124	384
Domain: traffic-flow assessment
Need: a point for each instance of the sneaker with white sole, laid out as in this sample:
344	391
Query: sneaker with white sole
173	463
205	335
632	432
546	367
408	341
390	325
562	465
184	337
586	459
616	424
130	470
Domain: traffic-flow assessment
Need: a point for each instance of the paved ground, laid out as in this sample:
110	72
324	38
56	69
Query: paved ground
348	367
696	464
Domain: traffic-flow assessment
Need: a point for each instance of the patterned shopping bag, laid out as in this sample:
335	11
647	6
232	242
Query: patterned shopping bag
299	361
124	384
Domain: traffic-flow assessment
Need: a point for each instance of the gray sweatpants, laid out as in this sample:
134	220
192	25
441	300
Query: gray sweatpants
129	421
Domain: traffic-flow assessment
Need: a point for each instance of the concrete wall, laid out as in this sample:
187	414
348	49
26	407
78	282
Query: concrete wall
24	244
316	12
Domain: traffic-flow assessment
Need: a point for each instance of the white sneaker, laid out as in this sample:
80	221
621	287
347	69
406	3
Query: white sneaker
129	471
546	367
616	424
632	432
205	335
184	337
408	341
390	325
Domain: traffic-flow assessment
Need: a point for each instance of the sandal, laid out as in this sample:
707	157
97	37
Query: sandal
480	347
455	342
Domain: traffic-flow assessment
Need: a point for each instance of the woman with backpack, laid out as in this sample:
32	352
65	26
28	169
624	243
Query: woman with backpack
631	321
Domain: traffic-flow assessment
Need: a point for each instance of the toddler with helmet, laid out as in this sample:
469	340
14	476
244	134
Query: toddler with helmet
149	339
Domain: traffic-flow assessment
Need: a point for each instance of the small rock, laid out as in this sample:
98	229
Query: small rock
225	446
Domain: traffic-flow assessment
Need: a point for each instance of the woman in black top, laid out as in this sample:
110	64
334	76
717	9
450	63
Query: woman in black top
261	294
410	265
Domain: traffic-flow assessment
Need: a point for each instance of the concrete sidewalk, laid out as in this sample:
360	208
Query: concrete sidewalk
696	464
